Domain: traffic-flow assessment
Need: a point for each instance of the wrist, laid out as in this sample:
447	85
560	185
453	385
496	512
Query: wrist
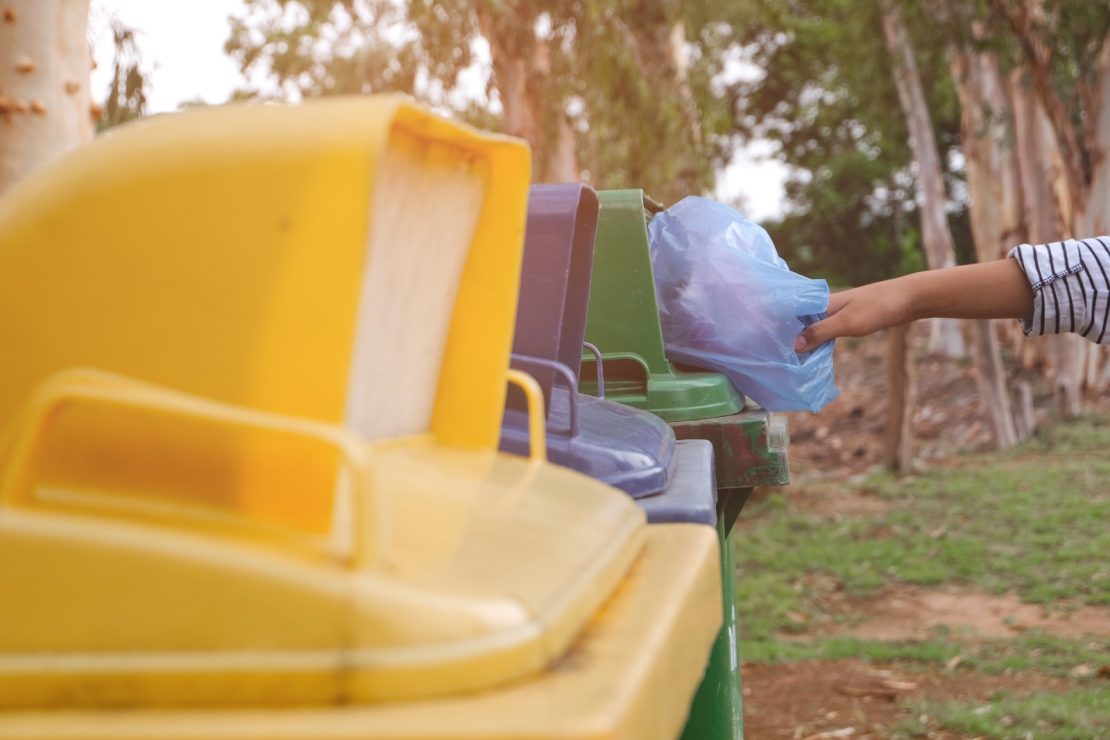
916	296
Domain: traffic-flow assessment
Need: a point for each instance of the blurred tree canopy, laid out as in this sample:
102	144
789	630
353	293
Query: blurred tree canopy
659	94
126	99
616	93
824	95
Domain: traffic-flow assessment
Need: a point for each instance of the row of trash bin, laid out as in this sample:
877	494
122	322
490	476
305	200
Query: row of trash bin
318	421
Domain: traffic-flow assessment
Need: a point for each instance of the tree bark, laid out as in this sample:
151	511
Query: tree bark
1094	217
522	73
901	398
1026	417
1025	18
1048	213
945	337
990	376
44	83
1038	164
1068	380
995	212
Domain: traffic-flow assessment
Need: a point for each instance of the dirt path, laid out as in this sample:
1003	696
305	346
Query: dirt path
913	613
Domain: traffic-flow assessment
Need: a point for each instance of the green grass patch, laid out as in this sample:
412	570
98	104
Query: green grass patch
1034	652
1076	715
1031	521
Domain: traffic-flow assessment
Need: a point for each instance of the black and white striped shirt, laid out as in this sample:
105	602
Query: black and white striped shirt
1071	287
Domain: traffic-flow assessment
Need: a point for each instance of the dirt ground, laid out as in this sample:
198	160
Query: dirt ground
846	438
912	613
856	699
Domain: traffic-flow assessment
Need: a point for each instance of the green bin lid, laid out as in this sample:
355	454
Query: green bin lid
623	321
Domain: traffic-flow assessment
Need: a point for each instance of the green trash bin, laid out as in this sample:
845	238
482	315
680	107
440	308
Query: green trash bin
623	322
716	711
749	445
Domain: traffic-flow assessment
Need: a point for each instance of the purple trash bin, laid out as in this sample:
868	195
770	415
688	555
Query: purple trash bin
627	448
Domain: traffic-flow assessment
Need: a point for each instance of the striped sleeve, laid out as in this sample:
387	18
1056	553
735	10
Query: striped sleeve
1071	287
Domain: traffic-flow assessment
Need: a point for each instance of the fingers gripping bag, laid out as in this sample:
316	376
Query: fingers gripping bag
728	302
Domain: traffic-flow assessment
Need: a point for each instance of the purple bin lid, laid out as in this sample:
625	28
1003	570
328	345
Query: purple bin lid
625	447
691	495
558	255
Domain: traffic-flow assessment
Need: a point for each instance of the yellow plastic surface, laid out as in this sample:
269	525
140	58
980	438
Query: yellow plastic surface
221	252
415	569
631	674
278	486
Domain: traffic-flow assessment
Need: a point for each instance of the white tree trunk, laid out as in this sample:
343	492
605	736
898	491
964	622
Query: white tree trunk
995	215
1094	218
44	83
1047	215
1069	375
936	238
990	376
945	337
1026	417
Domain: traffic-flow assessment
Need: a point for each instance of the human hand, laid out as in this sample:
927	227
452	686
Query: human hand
859	311
987	290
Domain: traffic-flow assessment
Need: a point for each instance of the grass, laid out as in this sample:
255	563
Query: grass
1031	521
1036	651
1075	715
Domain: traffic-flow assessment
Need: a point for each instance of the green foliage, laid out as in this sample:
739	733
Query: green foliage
826	98
126	99
604	66
1075	715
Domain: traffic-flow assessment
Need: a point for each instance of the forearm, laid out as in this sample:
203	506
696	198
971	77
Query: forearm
987	290
1052	288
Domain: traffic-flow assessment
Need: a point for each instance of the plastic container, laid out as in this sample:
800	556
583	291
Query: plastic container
282	486
624	323
624	447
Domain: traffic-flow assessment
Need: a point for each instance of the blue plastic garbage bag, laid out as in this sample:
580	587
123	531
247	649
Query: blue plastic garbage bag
728	302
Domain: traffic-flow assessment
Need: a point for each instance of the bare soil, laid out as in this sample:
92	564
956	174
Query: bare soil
846	438
856	699
913	612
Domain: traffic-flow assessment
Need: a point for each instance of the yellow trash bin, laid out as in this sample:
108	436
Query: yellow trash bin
349	263
276	483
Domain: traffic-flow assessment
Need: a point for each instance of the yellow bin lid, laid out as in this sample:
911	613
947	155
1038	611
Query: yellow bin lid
280	486
630	675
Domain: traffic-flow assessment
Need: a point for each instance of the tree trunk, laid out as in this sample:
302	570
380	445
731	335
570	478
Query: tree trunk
1038	164
522	74
1069	375
945	337
990	376
1047	212
995	215
561	160
1026	417
1026	21
901	398
1094	217
44	83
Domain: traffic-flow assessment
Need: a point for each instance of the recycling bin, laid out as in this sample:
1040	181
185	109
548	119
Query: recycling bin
623	322
749	445
628	448
249	477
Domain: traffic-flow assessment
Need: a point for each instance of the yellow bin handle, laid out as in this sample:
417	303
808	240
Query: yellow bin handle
21	449
537	428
